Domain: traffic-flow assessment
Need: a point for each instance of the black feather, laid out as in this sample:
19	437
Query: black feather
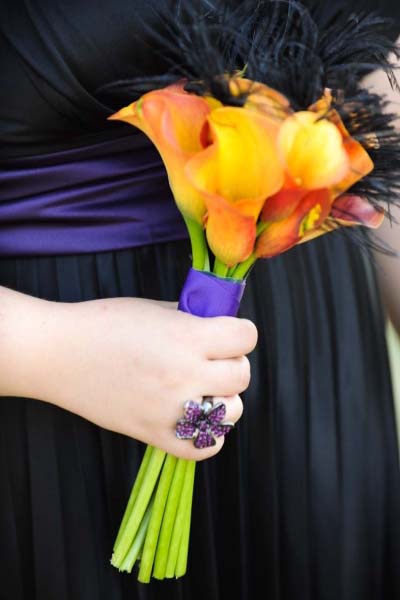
296	50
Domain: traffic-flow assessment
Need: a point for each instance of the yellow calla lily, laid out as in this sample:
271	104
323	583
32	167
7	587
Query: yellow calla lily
318	154
360	163
235	174
173	119
312	151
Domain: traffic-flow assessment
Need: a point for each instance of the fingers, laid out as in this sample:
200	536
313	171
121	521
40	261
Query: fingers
234	407
225	377
164	304
227	337
186	448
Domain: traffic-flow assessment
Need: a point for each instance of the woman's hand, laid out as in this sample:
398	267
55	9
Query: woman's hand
129	365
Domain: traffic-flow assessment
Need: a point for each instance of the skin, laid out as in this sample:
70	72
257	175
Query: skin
125	364
389	232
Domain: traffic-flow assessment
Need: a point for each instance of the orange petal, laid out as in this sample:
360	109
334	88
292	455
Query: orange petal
173	119
282	205
261	98
241	165
282	235
323	105
360	164
230	235
350	210
312	151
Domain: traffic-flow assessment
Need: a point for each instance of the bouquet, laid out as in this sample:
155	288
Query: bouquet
254	172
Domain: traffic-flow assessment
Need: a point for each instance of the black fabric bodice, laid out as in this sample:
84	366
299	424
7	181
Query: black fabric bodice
55	55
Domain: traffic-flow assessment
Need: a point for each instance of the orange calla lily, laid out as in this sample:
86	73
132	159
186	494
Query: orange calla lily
173	119
261	98
235	174
231	166
283	204
311	212
348	210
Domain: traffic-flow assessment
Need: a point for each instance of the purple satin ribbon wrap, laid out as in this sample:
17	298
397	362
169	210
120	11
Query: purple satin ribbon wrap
206	295
107	196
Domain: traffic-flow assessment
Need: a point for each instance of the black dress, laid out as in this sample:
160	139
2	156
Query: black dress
304	501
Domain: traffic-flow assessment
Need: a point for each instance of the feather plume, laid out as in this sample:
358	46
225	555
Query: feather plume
297	50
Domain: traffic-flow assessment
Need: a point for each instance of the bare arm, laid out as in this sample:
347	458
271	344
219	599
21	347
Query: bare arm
125	364
389	273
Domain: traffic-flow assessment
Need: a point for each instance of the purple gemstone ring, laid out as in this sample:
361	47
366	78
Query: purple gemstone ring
203	422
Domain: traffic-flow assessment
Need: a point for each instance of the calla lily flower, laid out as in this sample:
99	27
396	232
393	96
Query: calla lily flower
314	217
257	167
310	214
319	155
260	98
173	119
348	210
317	152
235	174
312	150
360	163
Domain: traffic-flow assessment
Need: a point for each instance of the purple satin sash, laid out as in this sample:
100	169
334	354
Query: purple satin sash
108	196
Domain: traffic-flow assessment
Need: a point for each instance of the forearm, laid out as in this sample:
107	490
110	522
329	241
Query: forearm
25	343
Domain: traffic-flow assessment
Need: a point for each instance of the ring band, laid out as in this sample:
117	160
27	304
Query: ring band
203	422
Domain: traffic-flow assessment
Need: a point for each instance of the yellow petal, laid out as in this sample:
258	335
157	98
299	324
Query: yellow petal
312	151
241	165
360	163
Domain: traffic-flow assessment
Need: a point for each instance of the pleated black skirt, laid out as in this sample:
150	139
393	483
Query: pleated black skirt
303	503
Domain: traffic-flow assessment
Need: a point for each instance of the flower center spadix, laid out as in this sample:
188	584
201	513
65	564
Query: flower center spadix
310	219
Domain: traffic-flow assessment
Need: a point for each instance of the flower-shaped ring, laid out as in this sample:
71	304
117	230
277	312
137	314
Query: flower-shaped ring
203	422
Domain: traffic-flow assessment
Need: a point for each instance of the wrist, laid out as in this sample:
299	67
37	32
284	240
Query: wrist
26	332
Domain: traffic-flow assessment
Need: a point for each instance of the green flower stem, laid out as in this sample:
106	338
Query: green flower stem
134	493
261	227
220	268
181	563
243	268
231	271
138	542
139	508
182	516
161	495
168	519
199	245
